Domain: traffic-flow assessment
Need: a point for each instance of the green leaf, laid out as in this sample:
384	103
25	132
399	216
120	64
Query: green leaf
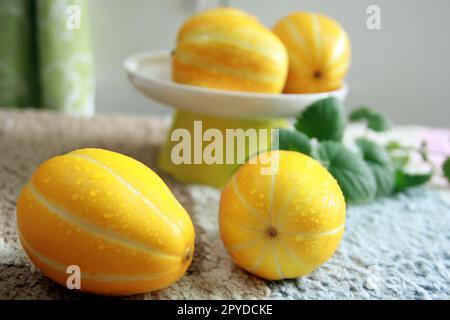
446	168
392	146
324	120
400	162
375	120
294	141
380	164
405	180
398	153
351	172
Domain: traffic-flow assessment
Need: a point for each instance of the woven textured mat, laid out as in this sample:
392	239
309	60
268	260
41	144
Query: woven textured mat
394	248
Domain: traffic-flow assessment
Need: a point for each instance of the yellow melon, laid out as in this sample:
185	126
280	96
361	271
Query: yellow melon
226	48
284	224
109	215
318	49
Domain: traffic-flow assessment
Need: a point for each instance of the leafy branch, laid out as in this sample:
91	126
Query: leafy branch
374	170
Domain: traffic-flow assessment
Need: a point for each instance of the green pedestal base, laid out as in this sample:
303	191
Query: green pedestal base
216	174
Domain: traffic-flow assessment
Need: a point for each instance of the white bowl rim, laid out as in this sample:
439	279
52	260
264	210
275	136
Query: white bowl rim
131	65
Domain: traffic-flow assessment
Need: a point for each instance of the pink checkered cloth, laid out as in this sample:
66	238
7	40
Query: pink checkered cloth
438	141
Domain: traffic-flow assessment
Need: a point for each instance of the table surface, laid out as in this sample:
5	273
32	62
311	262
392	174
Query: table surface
394	248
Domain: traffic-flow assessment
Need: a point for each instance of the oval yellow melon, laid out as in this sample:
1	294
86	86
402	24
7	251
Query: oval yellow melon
226	48
318	49
111	216
282	225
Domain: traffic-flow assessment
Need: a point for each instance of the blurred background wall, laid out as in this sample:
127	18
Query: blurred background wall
402	69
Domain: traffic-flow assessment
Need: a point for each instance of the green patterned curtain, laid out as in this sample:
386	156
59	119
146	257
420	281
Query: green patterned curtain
45	55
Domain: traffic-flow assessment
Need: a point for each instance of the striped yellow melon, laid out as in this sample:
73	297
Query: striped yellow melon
228	49
111	216
282	224
318	49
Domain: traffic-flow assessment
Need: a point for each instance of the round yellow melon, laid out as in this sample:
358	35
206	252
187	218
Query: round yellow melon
228	49
318	49
110	216
283	224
